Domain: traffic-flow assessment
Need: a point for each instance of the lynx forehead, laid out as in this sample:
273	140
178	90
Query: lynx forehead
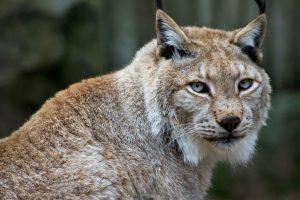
153	130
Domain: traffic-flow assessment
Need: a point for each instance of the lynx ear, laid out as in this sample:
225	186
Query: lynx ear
253	34
170	37
250	38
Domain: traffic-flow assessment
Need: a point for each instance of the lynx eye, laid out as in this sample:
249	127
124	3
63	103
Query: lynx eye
200	87
245	84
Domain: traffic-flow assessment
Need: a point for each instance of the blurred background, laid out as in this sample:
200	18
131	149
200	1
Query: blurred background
46	45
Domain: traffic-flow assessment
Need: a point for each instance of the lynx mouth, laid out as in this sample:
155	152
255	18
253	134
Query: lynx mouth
226	139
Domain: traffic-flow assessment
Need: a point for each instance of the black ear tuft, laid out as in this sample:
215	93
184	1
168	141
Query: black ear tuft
262	6
159	4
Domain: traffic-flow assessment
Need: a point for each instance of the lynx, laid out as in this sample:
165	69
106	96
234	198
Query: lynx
154	130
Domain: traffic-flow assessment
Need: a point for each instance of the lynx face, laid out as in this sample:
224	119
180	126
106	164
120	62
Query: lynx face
211	90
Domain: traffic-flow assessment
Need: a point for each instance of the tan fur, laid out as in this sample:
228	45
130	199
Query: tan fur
104	138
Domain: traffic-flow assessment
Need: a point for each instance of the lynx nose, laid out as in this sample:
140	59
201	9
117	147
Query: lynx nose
230	123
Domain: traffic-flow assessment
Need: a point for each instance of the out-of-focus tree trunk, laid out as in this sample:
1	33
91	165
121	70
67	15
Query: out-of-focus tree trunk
124	41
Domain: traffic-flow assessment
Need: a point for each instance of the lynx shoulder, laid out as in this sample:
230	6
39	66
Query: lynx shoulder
153	130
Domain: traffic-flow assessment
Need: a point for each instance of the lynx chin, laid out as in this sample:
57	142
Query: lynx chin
153	130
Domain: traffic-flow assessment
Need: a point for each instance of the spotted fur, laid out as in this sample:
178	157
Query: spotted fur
142	132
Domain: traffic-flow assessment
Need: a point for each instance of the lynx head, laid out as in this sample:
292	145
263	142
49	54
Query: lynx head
209	90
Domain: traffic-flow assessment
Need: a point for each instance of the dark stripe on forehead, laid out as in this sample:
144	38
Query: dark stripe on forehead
238	69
